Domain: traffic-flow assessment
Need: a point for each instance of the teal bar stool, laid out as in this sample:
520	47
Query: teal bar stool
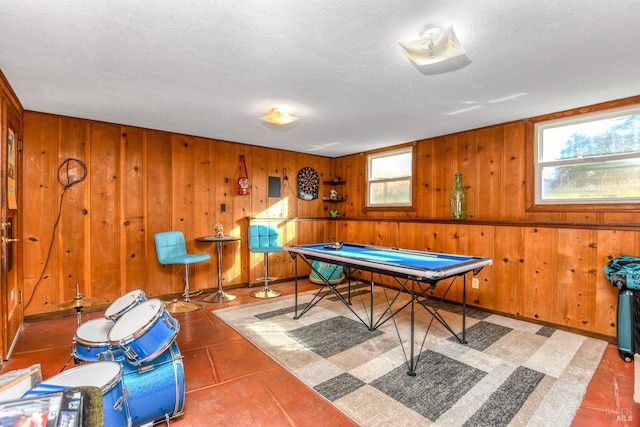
264	239
171	248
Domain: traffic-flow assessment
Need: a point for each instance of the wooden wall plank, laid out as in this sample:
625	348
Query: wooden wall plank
40	205
508	269
73	227
513	164
204	209
225	184
158	166
575	304
489	173
132	211
104	164
540	254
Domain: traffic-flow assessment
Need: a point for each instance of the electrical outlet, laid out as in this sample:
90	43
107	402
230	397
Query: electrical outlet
475	283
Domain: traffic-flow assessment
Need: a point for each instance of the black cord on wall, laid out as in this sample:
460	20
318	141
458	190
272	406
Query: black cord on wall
67	179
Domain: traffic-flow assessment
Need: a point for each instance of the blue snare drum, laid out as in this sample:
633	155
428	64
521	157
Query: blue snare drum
91	339
125	303
105	375
144	332
155	390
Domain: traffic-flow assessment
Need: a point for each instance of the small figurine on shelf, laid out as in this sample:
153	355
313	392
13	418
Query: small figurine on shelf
334	214
333	195
218	230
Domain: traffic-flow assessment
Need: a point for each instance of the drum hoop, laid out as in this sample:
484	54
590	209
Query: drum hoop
160	350
108	386
144	329
124	309
78	340
86	341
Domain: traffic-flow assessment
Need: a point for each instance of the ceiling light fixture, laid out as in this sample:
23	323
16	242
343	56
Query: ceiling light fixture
279	117
434	45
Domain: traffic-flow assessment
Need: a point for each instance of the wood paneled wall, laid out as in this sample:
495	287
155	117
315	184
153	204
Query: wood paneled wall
547	266
140	182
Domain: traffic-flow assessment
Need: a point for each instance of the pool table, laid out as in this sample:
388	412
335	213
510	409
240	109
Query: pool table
415	272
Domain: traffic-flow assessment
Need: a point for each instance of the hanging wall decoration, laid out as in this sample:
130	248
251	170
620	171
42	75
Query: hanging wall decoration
308	184
243	181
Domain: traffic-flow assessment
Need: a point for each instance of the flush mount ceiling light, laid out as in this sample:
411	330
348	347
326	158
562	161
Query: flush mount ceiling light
279	117
434	45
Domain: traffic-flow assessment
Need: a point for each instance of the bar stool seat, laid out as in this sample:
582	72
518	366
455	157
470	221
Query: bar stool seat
264	239
171	248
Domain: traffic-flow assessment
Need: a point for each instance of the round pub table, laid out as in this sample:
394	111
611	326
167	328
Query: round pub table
220	295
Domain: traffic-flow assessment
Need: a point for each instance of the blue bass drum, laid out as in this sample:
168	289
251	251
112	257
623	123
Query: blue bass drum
105	375
155	390
331	272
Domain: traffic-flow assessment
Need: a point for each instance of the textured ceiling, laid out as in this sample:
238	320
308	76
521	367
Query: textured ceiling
213	68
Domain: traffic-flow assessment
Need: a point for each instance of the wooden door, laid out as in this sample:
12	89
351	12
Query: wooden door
10	285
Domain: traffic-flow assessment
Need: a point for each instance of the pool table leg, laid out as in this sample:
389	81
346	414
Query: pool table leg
464	309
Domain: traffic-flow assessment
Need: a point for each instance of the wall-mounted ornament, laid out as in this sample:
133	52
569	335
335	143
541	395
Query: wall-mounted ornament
243	181
308	183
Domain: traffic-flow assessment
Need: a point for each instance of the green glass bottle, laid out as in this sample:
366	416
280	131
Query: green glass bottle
457	200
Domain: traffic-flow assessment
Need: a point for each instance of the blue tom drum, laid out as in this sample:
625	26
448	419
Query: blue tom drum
125	303
91	339
144	332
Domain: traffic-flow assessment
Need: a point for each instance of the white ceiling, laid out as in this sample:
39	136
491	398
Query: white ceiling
213	68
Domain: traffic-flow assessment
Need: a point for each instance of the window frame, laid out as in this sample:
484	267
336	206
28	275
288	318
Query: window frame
412	177
591	113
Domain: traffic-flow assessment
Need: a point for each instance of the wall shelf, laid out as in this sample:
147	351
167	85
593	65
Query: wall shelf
333	183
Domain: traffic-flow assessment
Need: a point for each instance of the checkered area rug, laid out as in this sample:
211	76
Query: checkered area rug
510	373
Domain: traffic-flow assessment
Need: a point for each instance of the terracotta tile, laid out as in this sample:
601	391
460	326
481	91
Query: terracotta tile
239	403
52	361
625	395
202	333
46	334
301	402
238	358
601	390
615	361
198	369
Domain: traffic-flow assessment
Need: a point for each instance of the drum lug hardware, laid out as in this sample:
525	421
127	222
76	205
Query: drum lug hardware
131	353
146	369
118	404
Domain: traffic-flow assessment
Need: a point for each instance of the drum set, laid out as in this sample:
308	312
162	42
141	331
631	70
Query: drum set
132	355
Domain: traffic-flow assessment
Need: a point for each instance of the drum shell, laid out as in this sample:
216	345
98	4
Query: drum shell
125	303
155	390
157	330
91	339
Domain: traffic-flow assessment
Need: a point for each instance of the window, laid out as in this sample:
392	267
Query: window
589	159
390	178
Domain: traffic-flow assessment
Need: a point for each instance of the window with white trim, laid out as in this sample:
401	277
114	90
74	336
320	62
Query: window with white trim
390	178
589	159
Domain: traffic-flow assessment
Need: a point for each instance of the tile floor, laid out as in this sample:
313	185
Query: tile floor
228	381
